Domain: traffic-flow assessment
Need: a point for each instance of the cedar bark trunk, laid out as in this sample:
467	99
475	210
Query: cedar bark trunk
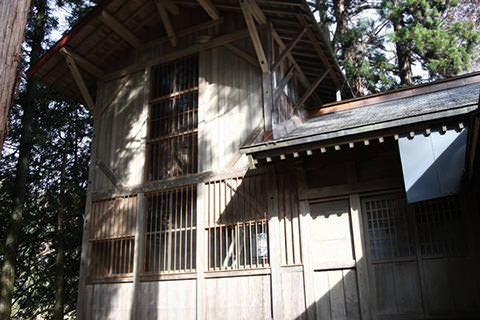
404	61
350	49
13	18
19	189
60	249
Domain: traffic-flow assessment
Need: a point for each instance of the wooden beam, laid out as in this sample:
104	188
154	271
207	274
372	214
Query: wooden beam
242	54
87	65
319	51
303	78
77	76
209	8
252	30
171	7
312	88
283	82
288	49
256	11
162	11
216	42
119	29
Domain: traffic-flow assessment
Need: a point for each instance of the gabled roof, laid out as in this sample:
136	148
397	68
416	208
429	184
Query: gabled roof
364	117
103	42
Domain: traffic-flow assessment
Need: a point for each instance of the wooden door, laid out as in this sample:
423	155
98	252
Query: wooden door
333	261
418	259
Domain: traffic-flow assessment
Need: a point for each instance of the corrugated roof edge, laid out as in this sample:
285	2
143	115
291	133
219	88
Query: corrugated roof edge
63	41
299	140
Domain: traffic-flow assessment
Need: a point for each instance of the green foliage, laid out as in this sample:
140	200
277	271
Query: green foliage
419	27
442	38
56	181
61	143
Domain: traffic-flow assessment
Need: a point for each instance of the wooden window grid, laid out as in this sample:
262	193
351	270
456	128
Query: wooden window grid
111	239
173	120
440	227
236	223
388	228
170	231
438	224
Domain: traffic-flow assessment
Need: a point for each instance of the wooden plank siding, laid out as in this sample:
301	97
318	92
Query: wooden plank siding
215	239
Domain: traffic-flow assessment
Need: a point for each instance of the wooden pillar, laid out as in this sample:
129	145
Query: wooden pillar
366	305
267	80
82	283
273	239
201	251
138	257
308	277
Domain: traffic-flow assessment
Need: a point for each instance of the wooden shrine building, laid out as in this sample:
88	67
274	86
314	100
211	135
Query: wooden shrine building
227	180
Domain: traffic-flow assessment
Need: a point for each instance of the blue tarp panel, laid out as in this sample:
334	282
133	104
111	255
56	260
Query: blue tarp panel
433	165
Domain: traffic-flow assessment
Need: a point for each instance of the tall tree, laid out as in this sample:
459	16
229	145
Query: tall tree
38	32
420	35
13	17
358	43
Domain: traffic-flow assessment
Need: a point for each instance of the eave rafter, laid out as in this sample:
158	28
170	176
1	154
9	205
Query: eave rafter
312	88
84	63
162	7
77	76
249	13
120	29
289	48
318	49
208	6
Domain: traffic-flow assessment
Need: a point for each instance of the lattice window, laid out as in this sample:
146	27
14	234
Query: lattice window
173	120
236	223
388	228
170	230
112	237
440	227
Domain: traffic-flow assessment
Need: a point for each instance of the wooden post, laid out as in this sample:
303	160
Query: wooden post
82	282
306	238
273	240
201	251
267	83
360	257
139	257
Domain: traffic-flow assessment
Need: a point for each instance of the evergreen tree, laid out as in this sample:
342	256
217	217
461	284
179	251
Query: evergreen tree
420	35
43	176
358	43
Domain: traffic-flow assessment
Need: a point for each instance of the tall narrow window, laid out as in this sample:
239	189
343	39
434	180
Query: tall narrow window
170	230
111	237
236	223
173	120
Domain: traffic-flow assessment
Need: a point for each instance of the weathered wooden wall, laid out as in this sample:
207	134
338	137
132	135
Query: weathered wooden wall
230	113
244	297
121	120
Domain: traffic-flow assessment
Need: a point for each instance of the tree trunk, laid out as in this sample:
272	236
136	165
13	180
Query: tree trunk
13	17
13	234
60	250
404	61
